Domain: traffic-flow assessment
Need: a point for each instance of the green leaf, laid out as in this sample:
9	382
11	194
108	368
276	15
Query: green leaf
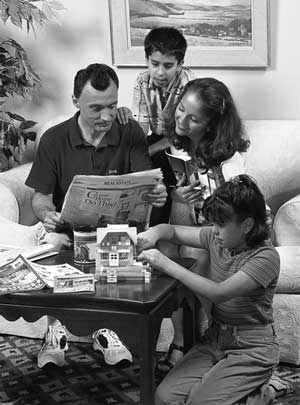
27	124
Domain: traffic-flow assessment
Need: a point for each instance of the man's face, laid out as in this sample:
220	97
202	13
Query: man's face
162	68
98	109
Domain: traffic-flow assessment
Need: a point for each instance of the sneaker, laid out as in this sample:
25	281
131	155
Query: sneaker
54	346
280	386
108	343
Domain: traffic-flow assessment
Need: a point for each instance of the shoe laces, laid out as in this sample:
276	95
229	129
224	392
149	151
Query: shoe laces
108	339
54	337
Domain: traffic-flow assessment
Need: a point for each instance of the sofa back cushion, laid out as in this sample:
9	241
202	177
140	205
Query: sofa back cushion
273	158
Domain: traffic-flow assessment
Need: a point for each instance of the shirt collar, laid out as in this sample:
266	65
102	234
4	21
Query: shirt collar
170	85
112	137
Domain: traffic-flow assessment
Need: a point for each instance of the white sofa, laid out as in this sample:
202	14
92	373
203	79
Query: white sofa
273	159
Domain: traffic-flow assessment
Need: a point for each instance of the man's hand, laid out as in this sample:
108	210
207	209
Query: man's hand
53	223
158	196
123	115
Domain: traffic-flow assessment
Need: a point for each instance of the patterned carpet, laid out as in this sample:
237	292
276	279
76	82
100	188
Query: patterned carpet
84	380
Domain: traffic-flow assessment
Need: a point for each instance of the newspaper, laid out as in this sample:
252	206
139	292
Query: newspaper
9	252
101	200
21	275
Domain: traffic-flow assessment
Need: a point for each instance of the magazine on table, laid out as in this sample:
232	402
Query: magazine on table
21	275
100	200
10	252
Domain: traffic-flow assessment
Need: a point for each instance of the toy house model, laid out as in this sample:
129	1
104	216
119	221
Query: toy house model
115	254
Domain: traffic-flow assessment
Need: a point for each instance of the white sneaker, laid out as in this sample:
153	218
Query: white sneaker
113	350
54	346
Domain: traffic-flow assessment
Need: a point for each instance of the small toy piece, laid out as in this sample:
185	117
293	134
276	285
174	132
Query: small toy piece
116	255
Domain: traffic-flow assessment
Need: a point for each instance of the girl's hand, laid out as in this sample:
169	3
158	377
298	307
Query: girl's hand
191	194
146	240
155	258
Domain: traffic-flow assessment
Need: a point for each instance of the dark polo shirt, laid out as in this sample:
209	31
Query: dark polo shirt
63	153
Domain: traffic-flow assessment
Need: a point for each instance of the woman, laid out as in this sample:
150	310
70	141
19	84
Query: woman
207	127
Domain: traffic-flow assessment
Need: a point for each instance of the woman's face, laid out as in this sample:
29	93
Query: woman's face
190	118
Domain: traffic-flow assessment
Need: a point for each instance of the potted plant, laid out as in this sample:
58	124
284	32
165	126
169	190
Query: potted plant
17	76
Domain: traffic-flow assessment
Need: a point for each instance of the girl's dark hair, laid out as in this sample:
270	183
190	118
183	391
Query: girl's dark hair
166	40
223	135
98	74
239	198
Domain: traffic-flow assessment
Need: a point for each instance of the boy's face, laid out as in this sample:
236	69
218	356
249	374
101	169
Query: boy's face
162	68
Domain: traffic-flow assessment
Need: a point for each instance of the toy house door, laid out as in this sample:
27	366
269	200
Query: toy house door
113	259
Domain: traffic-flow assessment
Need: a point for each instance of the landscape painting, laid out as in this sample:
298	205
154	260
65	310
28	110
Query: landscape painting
218	32
203	22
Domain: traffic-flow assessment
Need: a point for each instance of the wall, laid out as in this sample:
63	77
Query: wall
83	37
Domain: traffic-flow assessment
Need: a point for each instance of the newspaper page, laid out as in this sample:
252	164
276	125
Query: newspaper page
101	200
9	252
18	276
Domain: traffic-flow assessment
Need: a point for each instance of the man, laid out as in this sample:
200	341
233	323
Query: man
91	142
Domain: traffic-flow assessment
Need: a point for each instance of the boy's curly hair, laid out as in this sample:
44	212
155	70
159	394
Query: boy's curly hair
166	40
239	198
224	131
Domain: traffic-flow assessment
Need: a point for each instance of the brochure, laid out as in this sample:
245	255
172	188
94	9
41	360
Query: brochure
21	275
101	200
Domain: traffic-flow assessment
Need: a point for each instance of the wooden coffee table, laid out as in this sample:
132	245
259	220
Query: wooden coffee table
134	310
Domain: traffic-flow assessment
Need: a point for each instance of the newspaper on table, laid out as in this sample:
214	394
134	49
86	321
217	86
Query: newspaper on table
100	200
21	275
10	252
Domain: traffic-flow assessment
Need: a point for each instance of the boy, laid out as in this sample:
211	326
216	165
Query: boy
155	96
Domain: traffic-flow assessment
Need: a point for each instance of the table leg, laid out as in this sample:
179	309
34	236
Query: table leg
147	377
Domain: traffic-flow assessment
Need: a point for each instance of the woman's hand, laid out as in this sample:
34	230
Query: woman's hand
191	194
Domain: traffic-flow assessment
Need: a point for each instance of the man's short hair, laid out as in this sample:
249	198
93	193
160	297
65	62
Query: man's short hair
166	40
98	74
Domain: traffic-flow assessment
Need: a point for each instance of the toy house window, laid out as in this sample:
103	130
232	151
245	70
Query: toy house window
123	256
104	256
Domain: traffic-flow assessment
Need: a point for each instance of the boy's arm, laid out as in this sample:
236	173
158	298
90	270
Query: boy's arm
161	145
139	107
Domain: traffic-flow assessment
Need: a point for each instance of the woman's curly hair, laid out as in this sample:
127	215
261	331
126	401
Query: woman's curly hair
224	131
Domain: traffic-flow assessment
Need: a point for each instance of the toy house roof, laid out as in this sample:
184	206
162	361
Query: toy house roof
119	229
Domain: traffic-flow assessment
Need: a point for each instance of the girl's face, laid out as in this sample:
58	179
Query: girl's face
233	234
190	118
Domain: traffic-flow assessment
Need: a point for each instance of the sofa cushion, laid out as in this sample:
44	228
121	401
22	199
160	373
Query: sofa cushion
289	277
287	224
287	324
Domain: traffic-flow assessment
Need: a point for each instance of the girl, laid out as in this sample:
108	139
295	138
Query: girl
238	352
207	127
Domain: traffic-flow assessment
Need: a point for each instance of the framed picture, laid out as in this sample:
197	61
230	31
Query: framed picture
219	33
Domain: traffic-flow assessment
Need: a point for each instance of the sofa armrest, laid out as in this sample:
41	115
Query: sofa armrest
287	223
17	194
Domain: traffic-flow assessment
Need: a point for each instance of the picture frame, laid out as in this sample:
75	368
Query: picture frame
251	54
